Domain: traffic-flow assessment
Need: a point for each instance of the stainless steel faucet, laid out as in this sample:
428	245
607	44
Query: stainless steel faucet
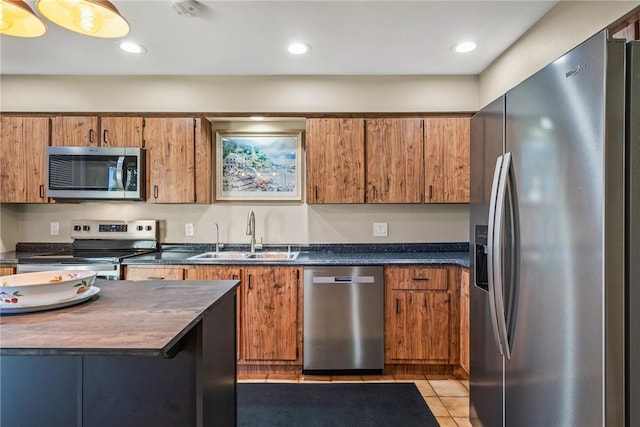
251	230
218	244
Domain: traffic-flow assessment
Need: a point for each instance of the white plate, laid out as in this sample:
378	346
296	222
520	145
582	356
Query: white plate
26	308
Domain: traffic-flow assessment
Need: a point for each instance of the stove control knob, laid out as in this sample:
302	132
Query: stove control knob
149	228
86	228
77	228
139	228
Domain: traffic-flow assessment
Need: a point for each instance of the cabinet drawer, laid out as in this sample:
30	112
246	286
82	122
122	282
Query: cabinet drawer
154	273
417	278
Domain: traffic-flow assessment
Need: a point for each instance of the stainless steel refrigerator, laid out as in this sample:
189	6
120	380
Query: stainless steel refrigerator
555	168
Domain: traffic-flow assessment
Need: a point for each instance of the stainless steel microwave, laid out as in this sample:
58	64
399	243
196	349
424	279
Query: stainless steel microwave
95	173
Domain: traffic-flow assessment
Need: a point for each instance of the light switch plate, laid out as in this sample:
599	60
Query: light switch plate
188	229
54	228
380	229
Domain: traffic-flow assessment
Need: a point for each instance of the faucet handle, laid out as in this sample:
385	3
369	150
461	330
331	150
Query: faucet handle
259	245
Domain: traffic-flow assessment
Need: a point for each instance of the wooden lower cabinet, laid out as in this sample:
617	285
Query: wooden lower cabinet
269	322
153	273
271	326
420	315
464	319
7	271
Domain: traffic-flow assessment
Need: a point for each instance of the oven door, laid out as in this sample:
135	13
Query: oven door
108	271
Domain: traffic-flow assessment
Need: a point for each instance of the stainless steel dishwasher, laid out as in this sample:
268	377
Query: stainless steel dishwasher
343	319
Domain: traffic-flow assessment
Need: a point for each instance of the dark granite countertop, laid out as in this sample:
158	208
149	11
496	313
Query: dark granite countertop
313	254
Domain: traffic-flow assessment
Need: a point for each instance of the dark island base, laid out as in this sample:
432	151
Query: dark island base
196	387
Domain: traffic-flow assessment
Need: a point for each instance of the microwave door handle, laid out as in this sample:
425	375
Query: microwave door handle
120	173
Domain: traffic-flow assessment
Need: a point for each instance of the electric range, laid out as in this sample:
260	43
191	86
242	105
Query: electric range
100	246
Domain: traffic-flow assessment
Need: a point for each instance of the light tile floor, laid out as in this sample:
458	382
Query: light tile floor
447	398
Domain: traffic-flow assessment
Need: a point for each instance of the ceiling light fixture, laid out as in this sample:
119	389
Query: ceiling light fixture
132	47
257	118
464	47
97	18
17	19
297	48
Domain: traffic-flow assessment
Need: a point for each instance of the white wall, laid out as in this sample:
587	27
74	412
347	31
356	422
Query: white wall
563	28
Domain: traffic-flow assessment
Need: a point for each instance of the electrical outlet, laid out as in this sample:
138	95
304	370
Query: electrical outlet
380	229
188	229
54	229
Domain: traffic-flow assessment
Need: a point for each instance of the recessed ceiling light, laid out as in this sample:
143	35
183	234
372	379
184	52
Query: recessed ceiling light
132	47
298	48
257	118
464	47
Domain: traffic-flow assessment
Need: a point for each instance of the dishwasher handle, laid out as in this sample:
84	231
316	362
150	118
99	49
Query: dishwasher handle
343	279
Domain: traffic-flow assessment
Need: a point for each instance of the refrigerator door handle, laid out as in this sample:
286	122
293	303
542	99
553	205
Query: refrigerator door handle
491	243
497	259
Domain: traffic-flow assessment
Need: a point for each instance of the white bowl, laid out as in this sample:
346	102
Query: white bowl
44	287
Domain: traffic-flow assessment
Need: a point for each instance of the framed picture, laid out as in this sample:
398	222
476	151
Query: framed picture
259	166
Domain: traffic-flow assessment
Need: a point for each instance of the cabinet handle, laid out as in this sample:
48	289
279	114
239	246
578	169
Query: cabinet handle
155	191
91	135
104	137
41	191
155	278
249	282
375	193
420	278
315	188
397	306
430	192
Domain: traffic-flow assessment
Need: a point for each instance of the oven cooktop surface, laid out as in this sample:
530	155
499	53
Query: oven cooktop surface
83	256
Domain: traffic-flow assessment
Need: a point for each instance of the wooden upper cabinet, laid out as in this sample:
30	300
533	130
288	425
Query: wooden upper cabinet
121	131
71	131
94	131
394	155
271	320
335	160
23	146
447	141
178	156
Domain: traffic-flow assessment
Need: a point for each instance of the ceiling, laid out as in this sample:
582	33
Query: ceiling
250	38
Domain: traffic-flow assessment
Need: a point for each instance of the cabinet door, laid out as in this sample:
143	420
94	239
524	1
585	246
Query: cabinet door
447	142
155	273
270	314
73	131
170	160
394	155
421	331
121	131
23	145
464	319
335	160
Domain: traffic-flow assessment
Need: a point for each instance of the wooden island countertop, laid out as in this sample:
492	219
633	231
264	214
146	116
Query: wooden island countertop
151	353
125	317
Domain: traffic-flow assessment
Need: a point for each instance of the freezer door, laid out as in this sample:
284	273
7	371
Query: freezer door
486	364
569	179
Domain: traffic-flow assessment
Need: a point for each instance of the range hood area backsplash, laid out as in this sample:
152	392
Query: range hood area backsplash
276	223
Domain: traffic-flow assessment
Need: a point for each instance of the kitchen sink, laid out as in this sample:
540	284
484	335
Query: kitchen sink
248	256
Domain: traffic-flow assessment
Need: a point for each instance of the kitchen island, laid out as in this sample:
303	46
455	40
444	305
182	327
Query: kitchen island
158	353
